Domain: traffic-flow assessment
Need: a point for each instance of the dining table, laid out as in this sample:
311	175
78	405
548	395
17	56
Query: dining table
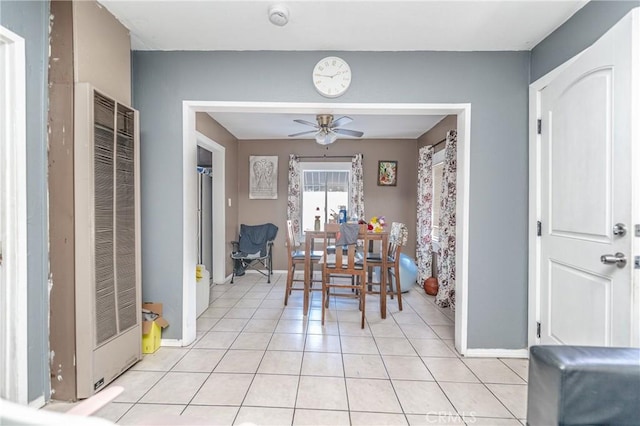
310	242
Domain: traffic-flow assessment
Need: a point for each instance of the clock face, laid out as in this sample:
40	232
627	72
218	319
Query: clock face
331	77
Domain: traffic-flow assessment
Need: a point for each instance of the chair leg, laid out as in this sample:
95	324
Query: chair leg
324	296
397	290
369	278
328	294
287	290
293	275
363	298
269	273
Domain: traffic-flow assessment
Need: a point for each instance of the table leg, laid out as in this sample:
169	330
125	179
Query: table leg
307	274
383	278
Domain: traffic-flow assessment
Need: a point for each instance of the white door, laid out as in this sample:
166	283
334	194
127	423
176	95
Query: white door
586	189
13	219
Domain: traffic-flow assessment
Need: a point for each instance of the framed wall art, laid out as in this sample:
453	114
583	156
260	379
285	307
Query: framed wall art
263	177
387	173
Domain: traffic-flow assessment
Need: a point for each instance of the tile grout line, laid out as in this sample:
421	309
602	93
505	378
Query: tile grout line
268	295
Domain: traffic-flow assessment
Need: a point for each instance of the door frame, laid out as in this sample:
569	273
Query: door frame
13	221
461	110
535	190
217	199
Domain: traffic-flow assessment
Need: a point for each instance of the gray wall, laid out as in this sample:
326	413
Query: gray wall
30	20
495	83
579	32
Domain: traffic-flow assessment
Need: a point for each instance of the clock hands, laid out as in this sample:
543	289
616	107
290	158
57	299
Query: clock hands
330	76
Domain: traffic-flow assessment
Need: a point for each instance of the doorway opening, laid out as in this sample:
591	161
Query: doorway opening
190	142
205	229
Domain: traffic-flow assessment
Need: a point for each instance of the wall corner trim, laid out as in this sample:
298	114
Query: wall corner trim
497	353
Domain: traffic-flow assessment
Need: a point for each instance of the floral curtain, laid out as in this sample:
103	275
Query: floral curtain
293	194
446	296
356	189
425	199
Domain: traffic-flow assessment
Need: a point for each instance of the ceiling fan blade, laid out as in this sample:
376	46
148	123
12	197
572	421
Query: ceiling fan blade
308	123
302	133
348	132
341	121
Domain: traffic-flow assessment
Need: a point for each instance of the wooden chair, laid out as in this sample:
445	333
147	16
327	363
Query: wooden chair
296	257
349	261
397	239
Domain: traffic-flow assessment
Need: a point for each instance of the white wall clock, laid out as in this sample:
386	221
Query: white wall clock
331	76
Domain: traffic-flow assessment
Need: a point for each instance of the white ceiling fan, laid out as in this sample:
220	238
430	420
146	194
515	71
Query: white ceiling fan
327	130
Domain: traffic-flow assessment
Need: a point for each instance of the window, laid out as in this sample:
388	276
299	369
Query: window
437	170
325	187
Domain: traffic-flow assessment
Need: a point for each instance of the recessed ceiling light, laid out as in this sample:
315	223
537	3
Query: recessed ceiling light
279	15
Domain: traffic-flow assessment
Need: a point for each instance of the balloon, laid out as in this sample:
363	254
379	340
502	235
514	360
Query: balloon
408	273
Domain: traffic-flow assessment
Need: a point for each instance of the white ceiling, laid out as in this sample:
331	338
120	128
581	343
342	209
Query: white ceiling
360	25
356	25
278	125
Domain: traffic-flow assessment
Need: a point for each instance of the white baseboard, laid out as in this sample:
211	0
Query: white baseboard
38	402
171	342
253	271
225	281
497	353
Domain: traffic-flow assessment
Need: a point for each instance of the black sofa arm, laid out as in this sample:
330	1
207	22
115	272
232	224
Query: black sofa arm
583	385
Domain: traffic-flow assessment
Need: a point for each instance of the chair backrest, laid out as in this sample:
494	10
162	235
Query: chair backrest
397	238
254	238
349	260
292	241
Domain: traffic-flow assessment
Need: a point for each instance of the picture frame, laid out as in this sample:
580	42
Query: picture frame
263	177
387	173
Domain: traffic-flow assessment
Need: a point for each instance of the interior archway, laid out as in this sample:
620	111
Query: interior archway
190	140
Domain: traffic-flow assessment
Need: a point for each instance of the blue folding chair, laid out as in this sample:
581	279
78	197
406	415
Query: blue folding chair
254	250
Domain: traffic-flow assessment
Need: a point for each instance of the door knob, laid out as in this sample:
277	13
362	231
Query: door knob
617	259
619	230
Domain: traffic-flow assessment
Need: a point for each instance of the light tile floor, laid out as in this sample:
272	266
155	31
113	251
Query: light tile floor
257	362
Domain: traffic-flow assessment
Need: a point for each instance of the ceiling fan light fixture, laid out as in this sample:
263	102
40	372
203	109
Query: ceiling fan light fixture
326	137
279	15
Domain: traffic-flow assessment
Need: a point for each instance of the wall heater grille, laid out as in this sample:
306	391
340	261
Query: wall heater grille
108	296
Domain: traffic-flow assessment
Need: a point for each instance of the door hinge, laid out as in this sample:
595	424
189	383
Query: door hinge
539	229
637	230
538	329
636	262
539	126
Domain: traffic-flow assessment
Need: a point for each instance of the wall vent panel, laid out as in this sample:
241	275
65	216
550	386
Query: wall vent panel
106	194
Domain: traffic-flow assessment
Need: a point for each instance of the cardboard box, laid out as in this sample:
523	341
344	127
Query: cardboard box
152	330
